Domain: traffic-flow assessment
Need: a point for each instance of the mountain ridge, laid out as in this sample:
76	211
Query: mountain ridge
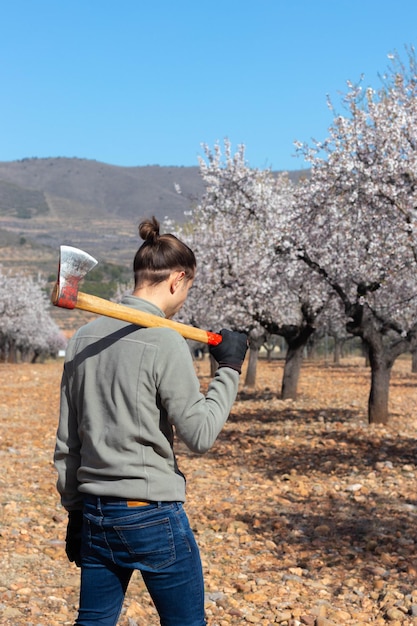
101	189
87	204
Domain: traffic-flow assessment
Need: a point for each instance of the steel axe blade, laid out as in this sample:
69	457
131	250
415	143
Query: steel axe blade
74	264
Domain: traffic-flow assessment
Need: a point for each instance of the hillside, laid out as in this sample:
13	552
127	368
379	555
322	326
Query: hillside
92	205
87	204
96	190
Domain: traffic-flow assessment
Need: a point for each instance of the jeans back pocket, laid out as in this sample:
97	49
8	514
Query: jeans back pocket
150	543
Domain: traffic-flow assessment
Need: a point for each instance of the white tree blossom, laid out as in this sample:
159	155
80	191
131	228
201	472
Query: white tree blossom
26	325
356	221
240	282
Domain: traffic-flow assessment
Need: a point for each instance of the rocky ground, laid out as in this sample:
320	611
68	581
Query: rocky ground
304	513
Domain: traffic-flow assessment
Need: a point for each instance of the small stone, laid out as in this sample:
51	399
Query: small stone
297	571
379	584
10	612
341	617
354	487
393	614
283	616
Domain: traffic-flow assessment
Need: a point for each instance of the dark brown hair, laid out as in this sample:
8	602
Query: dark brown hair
160	255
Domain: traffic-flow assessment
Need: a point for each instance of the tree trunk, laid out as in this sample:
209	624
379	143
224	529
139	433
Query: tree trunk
337	350
311	349
365	352
296	342
11	354
256	338
379	393
35	357
270	343
296	338
414	362
250	378
292	368
380	357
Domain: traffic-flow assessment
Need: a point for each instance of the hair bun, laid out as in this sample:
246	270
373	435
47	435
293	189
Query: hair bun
149	229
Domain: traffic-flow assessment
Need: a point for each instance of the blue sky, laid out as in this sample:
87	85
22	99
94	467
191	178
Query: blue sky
135	82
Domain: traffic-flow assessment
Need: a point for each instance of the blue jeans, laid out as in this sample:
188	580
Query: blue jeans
155	539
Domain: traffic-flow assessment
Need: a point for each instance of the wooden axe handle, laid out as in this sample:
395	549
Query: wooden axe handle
100	306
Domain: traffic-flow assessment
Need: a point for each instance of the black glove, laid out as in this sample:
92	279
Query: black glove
73	537
232	349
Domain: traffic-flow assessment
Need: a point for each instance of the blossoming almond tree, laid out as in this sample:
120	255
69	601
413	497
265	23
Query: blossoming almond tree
239	282
26	326
357	219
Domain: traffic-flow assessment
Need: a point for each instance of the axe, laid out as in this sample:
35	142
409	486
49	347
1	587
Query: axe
74	265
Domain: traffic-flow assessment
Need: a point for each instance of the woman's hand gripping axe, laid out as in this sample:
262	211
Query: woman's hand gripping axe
74	264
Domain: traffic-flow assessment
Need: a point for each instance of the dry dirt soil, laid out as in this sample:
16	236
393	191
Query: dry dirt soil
304	513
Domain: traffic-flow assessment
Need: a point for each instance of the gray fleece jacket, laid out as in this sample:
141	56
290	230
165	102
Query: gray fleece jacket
125	390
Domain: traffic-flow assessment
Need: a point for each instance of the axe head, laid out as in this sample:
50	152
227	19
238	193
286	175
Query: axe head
73	266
